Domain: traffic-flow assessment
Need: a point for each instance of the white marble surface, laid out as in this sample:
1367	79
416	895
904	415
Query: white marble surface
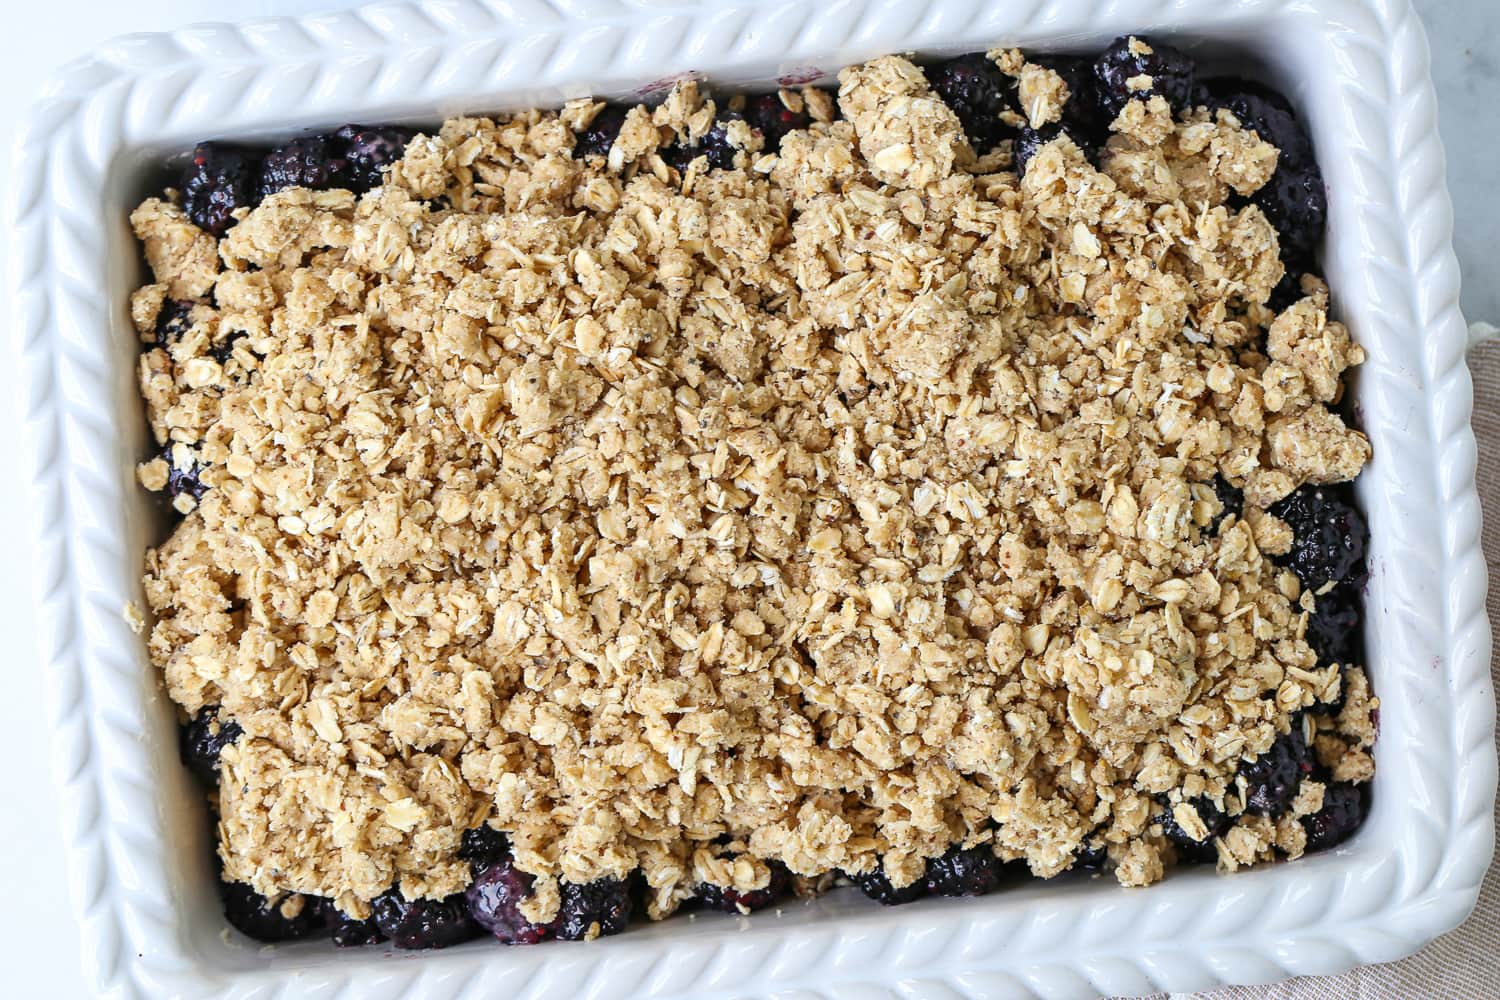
37	935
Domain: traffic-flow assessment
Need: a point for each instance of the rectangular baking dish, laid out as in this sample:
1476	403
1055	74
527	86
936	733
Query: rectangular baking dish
139	850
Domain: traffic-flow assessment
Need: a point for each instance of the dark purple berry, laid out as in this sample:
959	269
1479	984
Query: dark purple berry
604	903
1328	535
1343	811
349	932
173	321
1272	779
218	179
1288	290
1333	627
877	885
367	153
714	144
1170	69
772	119
1189	849
718	897
599	137
1231	501
305	162
1081	113
1296	206
183	479
202	740
483	845
223	352
1263	110
257	917
978	93
1091	856
1293	199
494	901
1029	142
423	923
1334	633
964	871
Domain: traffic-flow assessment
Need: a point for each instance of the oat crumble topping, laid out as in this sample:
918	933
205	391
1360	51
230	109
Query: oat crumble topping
834	509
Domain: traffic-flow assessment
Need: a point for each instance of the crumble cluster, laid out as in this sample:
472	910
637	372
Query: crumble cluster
834	509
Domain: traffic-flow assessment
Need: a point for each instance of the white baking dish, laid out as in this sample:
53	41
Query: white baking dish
138	843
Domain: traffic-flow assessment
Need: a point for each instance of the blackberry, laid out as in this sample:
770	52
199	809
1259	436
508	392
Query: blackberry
1029	142
259	918
1081	112
878	887
483	845
1333	627
1343	811
1189	849
773	120
1288	290
714	144
978	93
1296	204
182	480
1231	501
1091	855
173	320
202	740
1329	535
494	902
1294	199
603	903
423	923
1264	110
1271	780
964	871
223	352
599	137
718	897
367	152
349	932
306	162
218	179
1171	71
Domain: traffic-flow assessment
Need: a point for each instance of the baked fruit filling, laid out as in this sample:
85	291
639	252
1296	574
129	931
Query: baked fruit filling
588	514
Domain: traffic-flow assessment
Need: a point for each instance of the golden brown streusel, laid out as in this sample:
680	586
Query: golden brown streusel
847	505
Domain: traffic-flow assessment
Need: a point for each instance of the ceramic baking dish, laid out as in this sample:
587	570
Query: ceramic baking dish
138	842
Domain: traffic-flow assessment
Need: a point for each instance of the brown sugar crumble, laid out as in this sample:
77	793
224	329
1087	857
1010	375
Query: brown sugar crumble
830	510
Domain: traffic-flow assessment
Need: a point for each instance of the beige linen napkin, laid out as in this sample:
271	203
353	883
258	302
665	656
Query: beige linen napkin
1463	964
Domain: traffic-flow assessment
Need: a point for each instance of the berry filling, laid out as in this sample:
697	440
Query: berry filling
1271	779
1329	536
1133	69
286	919
203	738
717	897
599	137
964	871
877	885
219	179
1344	809
421	924
1188	847
494	901
595	909
979	94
